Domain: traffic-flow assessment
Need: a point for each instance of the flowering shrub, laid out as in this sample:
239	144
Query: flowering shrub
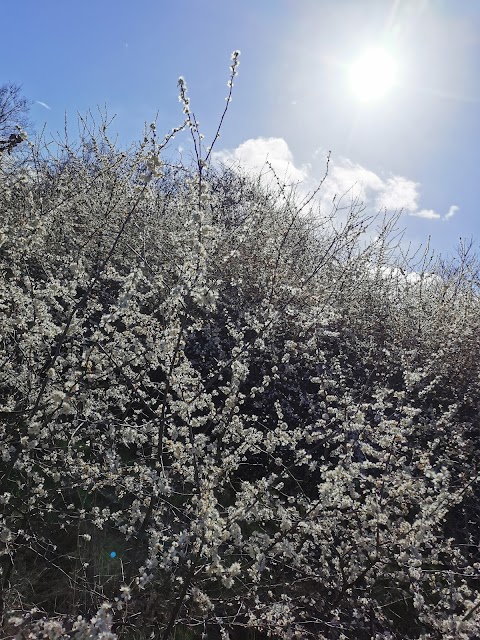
221	412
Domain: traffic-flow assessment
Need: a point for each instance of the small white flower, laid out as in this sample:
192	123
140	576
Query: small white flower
125	592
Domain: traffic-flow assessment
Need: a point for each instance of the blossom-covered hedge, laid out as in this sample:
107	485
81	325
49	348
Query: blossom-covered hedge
222	411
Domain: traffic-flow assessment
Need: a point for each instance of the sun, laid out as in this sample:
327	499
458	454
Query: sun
373	74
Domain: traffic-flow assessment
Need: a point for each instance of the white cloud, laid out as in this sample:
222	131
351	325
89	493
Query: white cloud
352	178
429	214
399	193
408	277
253	154
344	178
43	104
451	212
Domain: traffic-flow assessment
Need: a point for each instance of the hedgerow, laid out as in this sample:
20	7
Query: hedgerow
223	411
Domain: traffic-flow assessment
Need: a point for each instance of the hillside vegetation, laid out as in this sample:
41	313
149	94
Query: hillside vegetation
223	413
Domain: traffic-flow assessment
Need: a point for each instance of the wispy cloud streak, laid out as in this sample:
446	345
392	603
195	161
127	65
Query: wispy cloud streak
43	104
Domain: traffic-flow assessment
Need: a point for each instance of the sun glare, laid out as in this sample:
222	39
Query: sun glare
373	74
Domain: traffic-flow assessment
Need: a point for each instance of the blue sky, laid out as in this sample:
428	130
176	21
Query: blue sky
417	147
